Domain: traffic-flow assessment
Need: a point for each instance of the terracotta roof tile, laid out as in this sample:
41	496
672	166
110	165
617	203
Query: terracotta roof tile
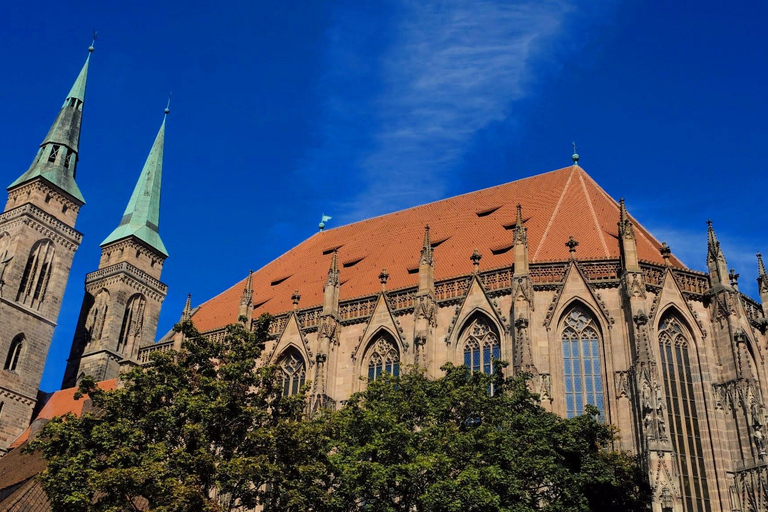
61	403
556	205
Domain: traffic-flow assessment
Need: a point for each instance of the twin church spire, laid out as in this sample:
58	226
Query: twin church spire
56	160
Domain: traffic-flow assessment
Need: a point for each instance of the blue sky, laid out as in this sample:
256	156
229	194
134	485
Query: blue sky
285	110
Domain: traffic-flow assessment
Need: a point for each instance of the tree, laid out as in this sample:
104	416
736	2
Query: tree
414	444
203	429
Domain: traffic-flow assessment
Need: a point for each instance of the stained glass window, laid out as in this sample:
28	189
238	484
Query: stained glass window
294	373
678	373
582	370
383	357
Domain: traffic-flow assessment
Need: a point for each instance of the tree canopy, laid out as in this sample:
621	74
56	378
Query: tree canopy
206	429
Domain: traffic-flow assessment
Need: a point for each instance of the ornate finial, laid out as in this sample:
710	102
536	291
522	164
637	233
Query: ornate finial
625	225
168	105
93	43
571	244
323	219
760	265
383	277
575	156
295	298
519	217
733	277
186	314
426	247
476	257
665	251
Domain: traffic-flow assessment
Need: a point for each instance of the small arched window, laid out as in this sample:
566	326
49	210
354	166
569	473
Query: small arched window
679	371
383	357
294	372
37	273
582	370
14	353
481	346
133	321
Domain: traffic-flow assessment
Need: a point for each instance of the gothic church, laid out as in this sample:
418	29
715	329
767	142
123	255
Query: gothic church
548	272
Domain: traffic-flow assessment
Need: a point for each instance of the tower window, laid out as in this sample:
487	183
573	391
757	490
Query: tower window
54	154
14	353
581	363
133	322
37	273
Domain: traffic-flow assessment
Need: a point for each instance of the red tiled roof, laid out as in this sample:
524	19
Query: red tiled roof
556	205
61	403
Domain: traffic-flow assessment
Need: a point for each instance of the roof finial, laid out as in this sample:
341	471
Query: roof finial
571	244
575	155
476	257
168	105
733	277
426	247
760	265
323	219
383	277
295	298
666	252
93	43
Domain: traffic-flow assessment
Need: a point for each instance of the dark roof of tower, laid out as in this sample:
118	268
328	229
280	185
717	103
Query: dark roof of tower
556	205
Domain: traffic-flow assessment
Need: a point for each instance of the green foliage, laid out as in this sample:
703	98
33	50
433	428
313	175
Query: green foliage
205	430
414	444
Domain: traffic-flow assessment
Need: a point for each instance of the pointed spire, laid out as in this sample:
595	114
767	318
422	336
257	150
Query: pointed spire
142	215
186	314
627	241
246	299
762	276
333	270
520	231
718	268
426	248
57	158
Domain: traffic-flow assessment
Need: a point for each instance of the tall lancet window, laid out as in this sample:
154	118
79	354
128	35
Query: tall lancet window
294	372
679	371
37	273
481	346
383	357
582	370
97	316
14	353
133	321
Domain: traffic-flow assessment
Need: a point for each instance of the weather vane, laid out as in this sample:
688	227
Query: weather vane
323	219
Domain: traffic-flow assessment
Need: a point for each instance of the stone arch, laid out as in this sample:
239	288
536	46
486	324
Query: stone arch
293	370
37	274
580	343
597	315
479	341
132	325
15	352
681	375
382	354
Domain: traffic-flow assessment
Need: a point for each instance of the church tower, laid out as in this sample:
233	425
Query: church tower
123	297
37	243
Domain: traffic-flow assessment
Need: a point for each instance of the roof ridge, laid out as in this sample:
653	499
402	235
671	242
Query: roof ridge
442	200
594	214
554	214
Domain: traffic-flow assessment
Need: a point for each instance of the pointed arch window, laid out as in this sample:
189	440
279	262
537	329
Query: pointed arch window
97	316
582	369
481	346
14	353
37	273
679	372
383	357
133	321
294	372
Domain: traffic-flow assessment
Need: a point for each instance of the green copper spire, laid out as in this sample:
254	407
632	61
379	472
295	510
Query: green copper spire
142	215
57	158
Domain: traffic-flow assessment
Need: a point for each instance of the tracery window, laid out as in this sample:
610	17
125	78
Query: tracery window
679	375
582	370
97	316
481	346
133	321
37	273
383	357
14	353
294	372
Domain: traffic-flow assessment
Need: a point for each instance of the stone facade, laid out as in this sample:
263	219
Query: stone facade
672	357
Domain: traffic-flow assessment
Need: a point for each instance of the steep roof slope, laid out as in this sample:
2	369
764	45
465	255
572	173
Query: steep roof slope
556	205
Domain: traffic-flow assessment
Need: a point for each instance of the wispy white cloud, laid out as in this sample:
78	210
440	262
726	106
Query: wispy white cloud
444	71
